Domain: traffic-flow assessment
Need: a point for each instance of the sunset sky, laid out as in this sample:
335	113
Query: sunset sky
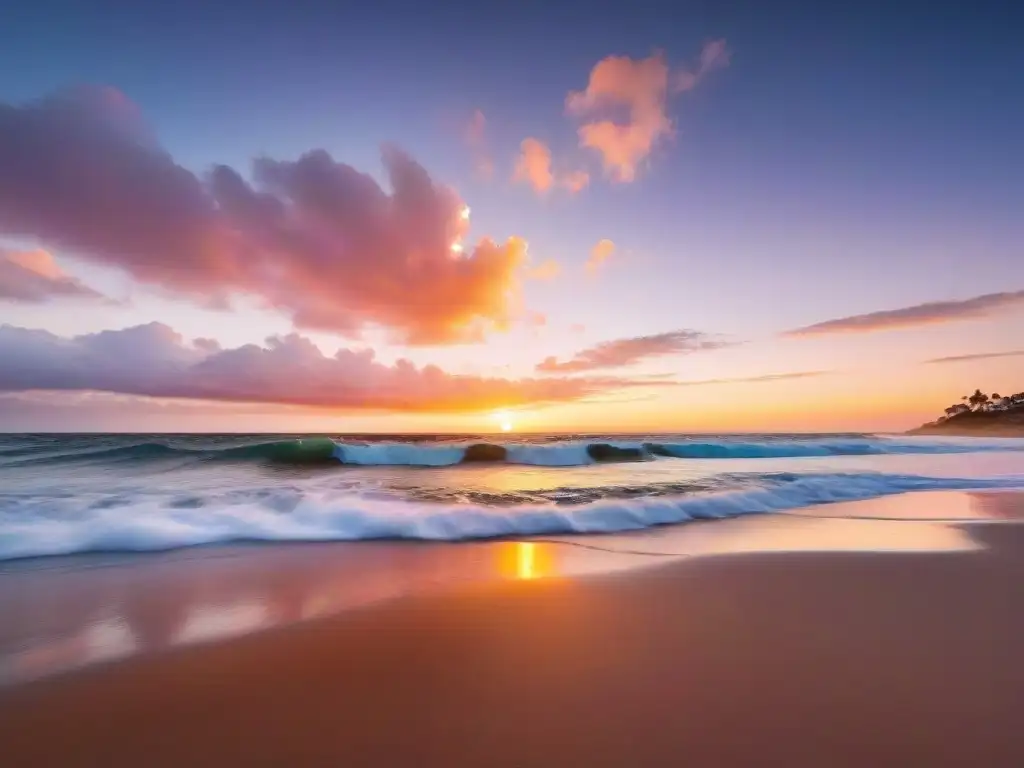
404	217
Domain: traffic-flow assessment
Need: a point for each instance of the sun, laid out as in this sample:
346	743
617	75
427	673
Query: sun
504	419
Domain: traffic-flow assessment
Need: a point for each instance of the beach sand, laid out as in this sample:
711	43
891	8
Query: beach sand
779	658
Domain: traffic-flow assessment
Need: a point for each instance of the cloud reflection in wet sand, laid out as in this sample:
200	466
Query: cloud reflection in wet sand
82	610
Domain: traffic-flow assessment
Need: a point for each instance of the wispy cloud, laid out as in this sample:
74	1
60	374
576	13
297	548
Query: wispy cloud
154	361
622	352
475	135
599	254
534	167
755	379
979	356
548	269
314	238
930	313
33	277
575	181
642	87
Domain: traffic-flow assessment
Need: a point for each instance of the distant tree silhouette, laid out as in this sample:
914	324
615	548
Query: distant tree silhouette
979	402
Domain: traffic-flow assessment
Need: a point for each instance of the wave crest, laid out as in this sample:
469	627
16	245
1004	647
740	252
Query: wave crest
57	526
550	453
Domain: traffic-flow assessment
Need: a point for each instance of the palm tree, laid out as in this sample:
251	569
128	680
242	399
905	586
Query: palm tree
978	399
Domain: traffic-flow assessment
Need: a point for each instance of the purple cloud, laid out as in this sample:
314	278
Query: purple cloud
929	313
154	361
623	352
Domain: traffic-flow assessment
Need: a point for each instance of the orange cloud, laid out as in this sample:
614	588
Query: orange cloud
476	138
641	87
534	165
599	254
32	277
546	270
764	379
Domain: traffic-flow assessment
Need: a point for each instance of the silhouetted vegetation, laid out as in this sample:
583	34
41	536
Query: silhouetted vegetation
981	412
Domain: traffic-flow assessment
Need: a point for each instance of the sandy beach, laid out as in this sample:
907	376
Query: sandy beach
773	658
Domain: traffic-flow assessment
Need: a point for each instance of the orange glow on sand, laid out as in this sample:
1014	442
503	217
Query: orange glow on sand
526	560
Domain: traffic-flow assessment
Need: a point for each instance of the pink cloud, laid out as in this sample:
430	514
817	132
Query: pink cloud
623	352
313	237
599	254
640	87
155	361
977	356
929	313
575	181
33	277
533	165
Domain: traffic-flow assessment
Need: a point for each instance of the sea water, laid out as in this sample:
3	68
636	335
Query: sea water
67	494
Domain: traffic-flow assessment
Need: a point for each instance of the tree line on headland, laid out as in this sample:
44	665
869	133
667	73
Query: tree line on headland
979	402
980	412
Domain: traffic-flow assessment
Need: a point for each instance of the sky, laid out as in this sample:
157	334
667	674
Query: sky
459	217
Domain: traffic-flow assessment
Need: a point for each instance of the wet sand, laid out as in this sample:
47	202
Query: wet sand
797	659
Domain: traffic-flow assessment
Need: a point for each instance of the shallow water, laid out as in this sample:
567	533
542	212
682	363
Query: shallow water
62	494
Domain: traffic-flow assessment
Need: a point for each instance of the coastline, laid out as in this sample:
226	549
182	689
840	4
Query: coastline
804	658
994	432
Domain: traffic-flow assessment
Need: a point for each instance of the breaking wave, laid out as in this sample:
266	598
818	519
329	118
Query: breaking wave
40	525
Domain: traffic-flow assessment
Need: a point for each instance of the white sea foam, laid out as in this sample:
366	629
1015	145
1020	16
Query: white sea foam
35	526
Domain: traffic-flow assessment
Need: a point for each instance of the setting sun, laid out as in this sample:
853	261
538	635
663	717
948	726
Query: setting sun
504	419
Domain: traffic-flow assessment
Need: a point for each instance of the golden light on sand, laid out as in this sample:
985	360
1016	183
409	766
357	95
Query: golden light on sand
525	556
504	419
525	560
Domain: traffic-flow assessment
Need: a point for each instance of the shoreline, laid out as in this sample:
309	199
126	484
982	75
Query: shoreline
1009	432
65	613
804	658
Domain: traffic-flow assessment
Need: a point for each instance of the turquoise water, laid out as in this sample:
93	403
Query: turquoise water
63	494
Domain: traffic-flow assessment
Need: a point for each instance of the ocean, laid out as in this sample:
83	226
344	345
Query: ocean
72	494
